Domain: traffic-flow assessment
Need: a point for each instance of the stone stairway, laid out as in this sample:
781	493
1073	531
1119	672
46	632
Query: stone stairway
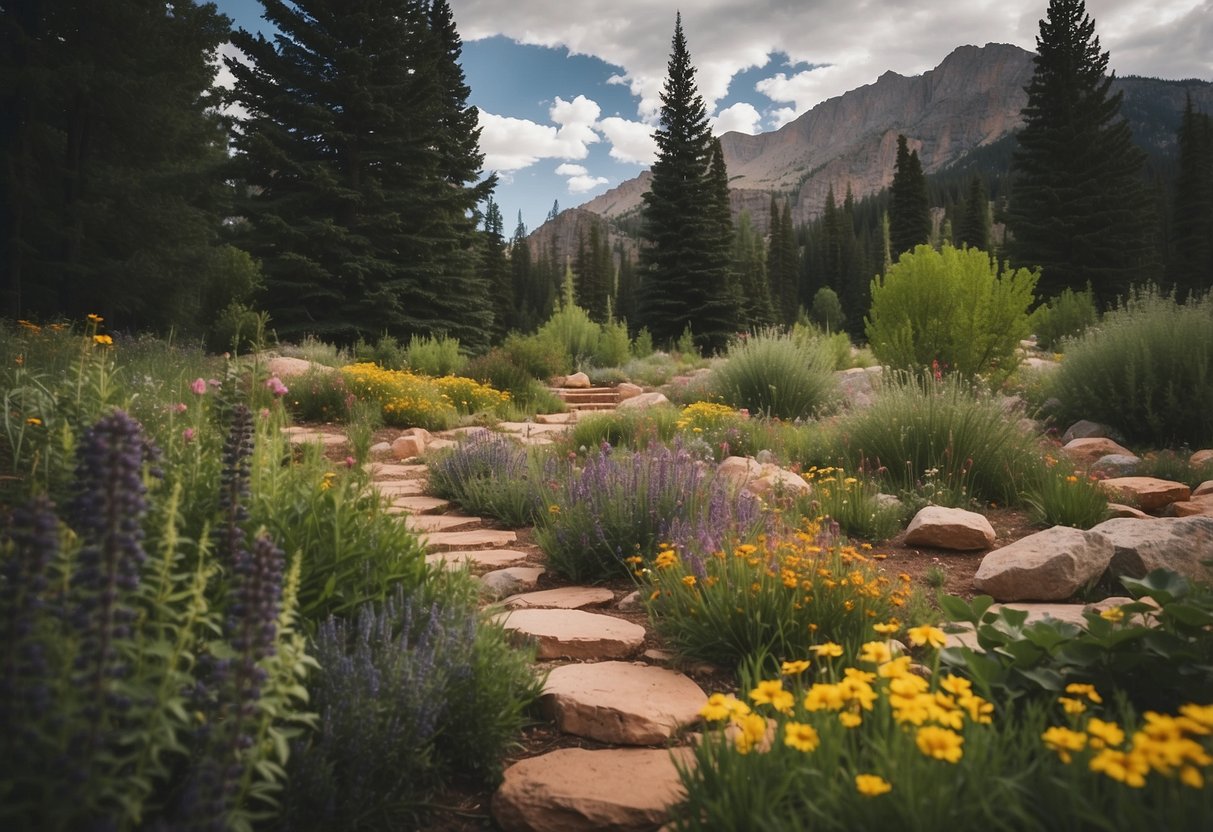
588	398
600	690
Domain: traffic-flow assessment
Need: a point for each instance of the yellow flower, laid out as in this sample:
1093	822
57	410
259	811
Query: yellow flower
752	729
887	629
771	693
956	685
94	319
1072	706
794	668
720	707
103	340
800	736
1104	733
1084	690
553	509
1191	776
33	421
850	720
876	652
1064	741
1128	768
940	743
827	650
872	785
824	696
927	634
1113	614
1202	715
666	559
688	580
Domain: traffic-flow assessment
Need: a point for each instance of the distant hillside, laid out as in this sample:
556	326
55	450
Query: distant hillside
956	115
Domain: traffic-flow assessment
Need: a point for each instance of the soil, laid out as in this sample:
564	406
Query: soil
464	806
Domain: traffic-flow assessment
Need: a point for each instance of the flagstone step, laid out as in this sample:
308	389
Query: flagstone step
477	558
510	581
395	470
426	523
575	634
474	538
624	703
418	504
564	598
399	488
578	790
303	436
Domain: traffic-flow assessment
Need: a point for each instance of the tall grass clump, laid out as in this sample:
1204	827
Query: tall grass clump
491	475
1147	369
942	435
412	692
777	376
632	429
432	356
1057	495
1066	316
615	506
952	309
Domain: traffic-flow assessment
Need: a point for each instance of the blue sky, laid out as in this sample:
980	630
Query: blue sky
568	90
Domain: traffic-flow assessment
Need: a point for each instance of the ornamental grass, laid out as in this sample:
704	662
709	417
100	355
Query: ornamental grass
772	597
777	376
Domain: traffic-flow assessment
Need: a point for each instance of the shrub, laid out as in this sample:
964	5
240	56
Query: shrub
416	691
238	328
1147	369
499	371
570	330
642	347
319	396
1057	495
634	429
952	308
1177	467
386	352
776	376
773	598
410	400
618	506
957	442
826	310
489	475
838	344
1066	316
432	356
540	358
614	348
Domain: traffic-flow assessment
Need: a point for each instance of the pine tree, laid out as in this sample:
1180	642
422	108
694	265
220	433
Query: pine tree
495	270
1191	264
113	163
360	159
749	264
555	212
910	211
973	230
521	277
684	275
1078	206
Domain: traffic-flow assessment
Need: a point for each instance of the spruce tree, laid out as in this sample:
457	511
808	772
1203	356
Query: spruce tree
360	157
113	163
684	263
495	270
1190	267
521	277
1078	207
749	264
973	230
910	210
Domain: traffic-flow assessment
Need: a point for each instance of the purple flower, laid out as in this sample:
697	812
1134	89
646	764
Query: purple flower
275	386
188	435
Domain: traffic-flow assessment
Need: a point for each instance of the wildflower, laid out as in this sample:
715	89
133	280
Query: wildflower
1071	479
1190	776
198	387
825	697
33	421
94	319
827	650
553	509
927	634
772	693
800	736
1064	741
794	668
872	785
1128	768
275	386
1202	715
752	729
1104	733
326	482
940	743
688	580
666	559
850	719
1113	614
103	340
1071	705
1084	690
29	326
720	707
187	435
876	652
956	685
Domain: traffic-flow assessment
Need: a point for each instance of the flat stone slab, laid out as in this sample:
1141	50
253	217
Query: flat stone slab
393	488
424	523
304	436
556	418
511	580
578	790
532	428
418	504
1147	493
485	538
620	702
575	634
483	558
394	470
564	598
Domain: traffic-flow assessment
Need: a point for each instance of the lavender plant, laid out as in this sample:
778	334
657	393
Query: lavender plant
491	475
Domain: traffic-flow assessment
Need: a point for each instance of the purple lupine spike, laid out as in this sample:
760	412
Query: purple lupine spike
234	482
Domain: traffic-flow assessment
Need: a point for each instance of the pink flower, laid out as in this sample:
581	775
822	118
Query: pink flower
188	435
199	386
275	386
179	407
265	413
350	462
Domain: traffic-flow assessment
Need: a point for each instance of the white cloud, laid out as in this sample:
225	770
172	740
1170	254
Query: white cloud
513	143
631	141
571	170
742	117
584	184
576	119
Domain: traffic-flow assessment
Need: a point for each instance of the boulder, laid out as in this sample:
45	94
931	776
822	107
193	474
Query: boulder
643	400
1087	451
578	790
620	702
1178	544
1118	464
1050	565
511	580
1147	493
1204	489
746	474
411	443
858	385
1195	507
577	381
950	528
286	367
1201	457
626	390
1119	510
1084	429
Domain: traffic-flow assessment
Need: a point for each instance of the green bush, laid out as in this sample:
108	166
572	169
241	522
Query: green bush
571	330
1059	496
1147	369
319	395
490	475
614	348
642	347
1177	467
498	369
1065	316
777	376
945	437
851	502
837	343
826	310
435	356
539	358
386	352
237	328
634	429
951	309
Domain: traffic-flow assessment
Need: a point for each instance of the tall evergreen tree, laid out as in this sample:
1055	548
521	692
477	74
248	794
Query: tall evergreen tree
521	276
112	162
1190	266
684	275
1078	206
595	273
749	264
360	156
495	270
910	210
973	230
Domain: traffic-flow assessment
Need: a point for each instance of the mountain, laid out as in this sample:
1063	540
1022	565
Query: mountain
948	114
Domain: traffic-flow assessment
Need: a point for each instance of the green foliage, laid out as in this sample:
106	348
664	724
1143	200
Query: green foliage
777	376
910	209
851	502
943	435
1058	496
497	369
770	600
950	309
1066	316
634	429
571	332
642	347
1176	467
838	344
1155	651
826	310
1147	369
1191	267
614	348
434	356
386	352
492	476
319	395
414	692
316	351
540	358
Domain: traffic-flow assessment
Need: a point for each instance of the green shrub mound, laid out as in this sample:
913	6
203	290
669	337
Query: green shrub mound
1147	369
777	376
1066	316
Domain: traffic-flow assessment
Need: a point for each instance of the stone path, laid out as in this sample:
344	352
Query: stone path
598	685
